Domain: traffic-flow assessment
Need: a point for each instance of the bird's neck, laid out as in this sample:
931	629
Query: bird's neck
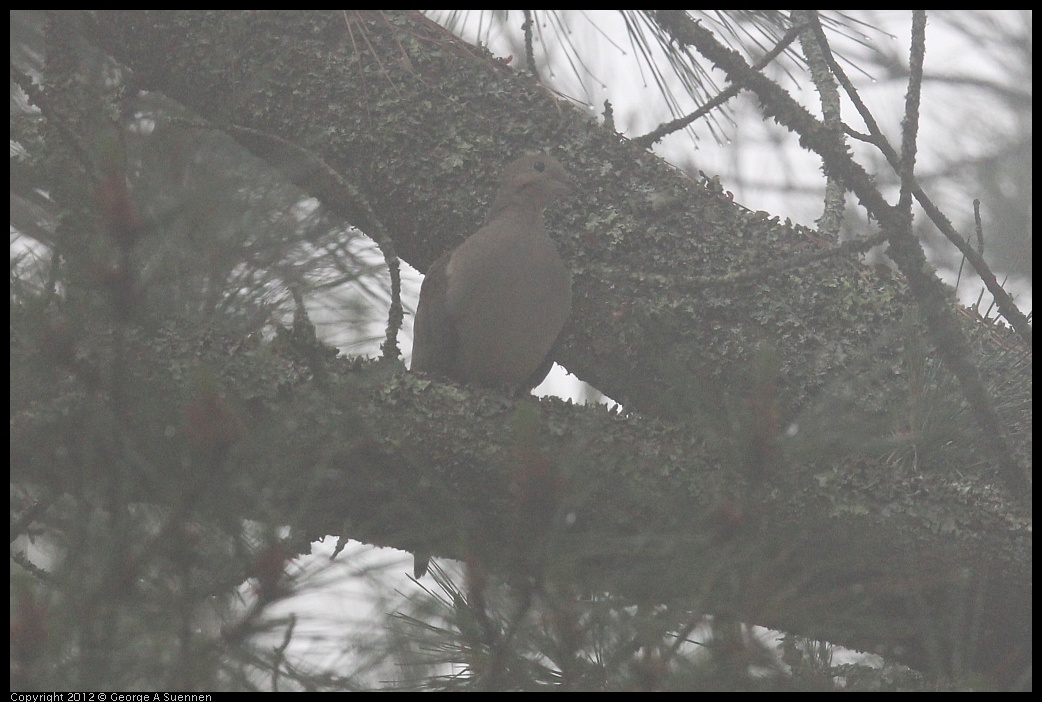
529	209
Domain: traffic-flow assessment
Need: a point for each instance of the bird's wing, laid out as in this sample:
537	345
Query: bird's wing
434	333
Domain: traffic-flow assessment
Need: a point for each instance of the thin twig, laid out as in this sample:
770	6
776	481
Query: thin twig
978	226
835	194
1017	319
931	294
653	137
526	27
910	123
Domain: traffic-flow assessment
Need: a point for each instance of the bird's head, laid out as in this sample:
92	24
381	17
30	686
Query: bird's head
536	179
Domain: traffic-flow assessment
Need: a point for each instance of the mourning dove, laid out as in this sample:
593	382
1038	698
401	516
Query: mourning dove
491	309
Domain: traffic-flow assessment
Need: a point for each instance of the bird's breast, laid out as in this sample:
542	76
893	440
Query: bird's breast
508	308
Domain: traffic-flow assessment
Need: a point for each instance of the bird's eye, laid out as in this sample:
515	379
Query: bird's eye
539	166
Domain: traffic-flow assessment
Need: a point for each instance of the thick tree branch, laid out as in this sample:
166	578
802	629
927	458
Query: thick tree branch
655	514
